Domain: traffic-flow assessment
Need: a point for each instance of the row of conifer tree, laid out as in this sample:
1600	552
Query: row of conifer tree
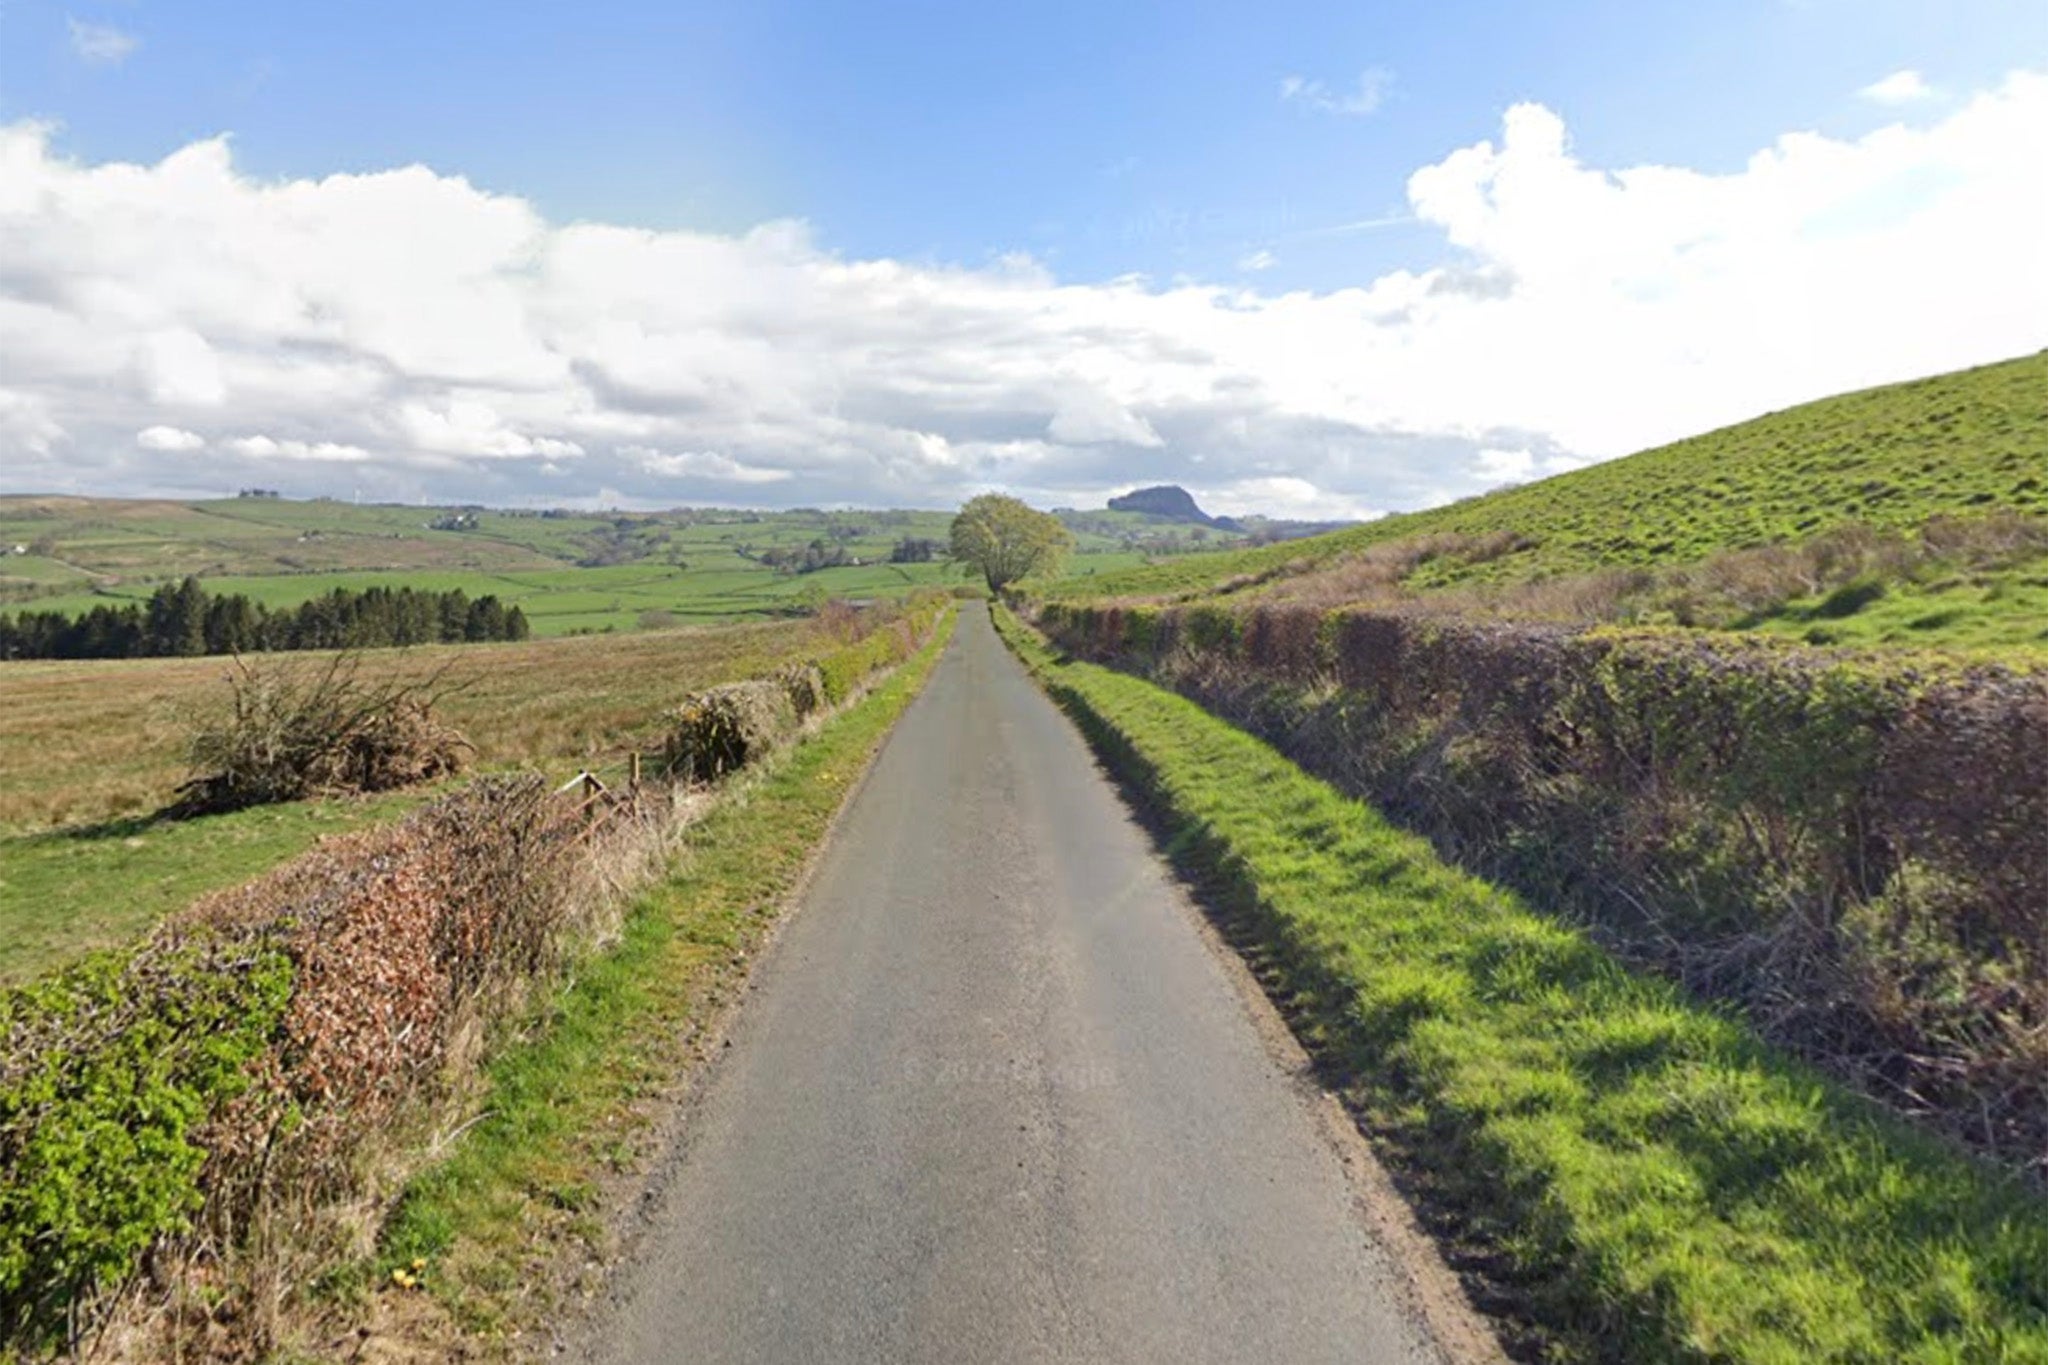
185	619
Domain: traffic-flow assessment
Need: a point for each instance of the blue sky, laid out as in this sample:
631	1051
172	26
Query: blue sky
1105	139
1265	147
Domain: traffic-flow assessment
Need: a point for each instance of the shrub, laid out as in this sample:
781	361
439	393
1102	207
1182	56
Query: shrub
287	733
226	1074
109	1073
805	684
888	640
723	729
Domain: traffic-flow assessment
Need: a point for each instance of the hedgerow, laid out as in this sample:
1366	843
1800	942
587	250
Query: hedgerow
725	728
1644	1178
228	1082
1854	849
109	1074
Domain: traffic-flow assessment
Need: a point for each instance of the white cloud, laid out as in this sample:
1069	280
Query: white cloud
268	448
1281	495
468	426
410	335
701	464
101	44
179	367
1089	416
1901	87
1261	259
1364	96
169	438
1505	466
26	426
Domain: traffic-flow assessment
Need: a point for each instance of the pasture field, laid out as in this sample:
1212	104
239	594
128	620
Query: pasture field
88	750
571	573
80	542
1889	458
696	563
564	600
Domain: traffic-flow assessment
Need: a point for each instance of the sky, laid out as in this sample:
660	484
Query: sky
1306	260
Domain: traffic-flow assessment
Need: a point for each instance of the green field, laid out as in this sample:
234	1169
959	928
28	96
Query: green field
1998	611
1889	459
660	569
571	601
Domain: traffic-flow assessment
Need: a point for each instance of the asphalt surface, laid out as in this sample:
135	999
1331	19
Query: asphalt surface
996	1099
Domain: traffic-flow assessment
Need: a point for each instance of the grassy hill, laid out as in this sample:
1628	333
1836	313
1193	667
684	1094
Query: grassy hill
1855	479
1890	457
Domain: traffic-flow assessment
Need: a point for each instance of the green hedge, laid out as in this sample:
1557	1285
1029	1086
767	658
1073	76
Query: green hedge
1662	1186
846	668
109	1071
1851	848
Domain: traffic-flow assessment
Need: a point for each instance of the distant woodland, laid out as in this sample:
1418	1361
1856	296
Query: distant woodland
185	619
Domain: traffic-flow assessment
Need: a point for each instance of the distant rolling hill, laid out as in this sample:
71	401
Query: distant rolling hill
570	571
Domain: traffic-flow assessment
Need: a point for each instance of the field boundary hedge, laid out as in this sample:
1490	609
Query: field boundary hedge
1651	1182
1853	849
190	1114
513	1224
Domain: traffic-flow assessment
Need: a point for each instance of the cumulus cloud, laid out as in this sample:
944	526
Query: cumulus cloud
1901	87
291	449
102	44
1364	96
169	438
409	334
1282	495
701	464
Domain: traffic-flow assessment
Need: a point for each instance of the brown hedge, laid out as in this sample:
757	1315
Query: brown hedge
1853	849
214	1089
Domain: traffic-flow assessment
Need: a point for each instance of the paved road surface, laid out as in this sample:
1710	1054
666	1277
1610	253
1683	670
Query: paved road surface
996	1100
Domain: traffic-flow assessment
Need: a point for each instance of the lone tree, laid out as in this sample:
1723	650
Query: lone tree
1008	540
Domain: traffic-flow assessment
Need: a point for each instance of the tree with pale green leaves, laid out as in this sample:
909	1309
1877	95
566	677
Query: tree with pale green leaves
1007	540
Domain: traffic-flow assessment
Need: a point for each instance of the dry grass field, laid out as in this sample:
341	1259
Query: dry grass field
89	750
84	742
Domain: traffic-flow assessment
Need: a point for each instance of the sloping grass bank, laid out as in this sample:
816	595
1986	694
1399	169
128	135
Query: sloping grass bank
570	1106
1889	457
1660	1185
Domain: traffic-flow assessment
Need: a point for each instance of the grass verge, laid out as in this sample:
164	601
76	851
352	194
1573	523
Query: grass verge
1655	1184
568	1104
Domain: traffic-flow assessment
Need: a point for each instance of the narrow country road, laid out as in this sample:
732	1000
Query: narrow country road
995	1099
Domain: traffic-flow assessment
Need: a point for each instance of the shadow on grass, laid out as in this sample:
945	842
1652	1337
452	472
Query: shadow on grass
1456	1203
120	827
